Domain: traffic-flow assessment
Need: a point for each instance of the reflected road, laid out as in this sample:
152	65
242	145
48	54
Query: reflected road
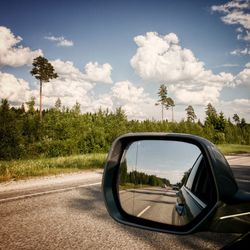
152	203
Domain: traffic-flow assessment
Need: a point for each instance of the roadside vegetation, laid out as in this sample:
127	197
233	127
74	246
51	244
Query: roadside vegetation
21	169
24	168
228	149
64	132
66	140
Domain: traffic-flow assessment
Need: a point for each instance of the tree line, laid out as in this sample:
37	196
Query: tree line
66	131
140	178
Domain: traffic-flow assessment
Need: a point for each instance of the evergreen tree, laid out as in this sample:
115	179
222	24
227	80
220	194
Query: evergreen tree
58	104
31	105
171	104
221	123
191	116
236	119
44	72
164	100
211	115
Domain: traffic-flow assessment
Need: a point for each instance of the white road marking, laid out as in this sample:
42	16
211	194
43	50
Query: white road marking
234	215
242	180
143	211
123	191
48	192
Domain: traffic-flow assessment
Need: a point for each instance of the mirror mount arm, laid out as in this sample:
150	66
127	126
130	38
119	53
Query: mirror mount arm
226	220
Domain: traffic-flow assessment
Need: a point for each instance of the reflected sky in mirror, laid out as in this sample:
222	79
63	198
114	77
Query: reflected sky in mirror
165	159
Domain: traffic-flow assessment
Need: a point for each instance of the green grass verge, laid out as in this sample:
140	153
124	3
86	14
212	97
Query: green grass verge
21	169
228	149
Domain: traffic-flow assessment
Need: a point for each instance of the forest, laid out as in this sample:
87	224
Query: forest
66	131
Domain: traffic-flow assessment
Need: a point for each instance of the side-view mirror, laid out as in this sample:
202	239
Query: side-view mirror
173	183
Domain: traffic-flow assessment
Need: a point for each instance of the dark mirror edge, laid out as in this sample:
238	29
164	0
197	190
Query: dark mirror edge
110	189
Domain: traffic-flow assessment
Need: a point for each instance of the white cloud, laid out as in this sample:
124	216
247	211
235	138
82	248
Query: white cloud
247	36
71	86
243	77
98	73
161	59
239	106
11	54
237	17
136	103
60	41
125	92
236	12
66	69
202	96
14	89
74	85
238	52
227	65
239	30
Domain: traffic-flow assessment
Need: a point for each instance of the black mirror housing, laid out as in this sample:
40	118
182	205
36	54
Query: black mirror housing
223	176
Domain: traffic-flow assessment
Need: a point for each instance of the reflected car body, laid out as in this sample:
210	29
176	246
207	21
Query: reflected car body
194	195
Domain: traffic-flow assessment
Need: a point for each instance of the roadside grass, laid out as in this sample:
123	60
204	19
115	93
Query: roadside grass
21	169
229	149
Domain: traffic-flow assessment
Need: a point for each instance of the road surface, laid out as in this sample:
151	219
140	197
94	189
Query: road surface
152	203
58	214
241	169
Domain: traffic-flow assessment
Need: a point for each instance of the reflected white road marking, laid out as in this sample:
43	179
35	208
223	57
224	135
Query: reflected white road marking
143	211
48	192
234	215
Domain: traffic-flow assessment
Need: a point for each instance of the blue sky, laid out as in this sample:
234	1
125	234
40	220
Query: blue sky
165	159
117	53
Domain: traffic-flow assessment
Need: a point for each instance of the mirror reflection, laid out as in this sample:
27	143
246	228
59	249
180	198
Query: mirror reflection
164	181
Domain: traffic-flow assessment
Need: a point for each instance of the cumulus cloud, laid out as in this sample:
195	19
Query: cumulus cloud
161	59
71	86
132	99
239	106
74	85
93	72
14	89
12	54
125	92
67	69
60	41
136	103
243	77
98	73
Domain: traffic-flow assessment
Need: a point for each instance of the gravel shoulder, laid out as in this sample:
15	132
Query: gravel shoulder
55	180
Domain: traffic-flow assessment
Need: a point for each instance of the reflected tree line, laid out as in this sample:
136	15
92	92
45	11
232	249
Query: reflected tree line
140	178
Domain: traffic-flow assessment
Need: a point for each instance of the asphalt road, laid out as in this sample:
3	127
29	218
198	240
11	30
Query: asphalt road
71	215
155	203
241	169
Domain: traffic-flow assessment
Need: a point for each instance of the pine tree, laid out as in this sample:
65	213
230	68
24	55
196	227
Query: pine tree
44	72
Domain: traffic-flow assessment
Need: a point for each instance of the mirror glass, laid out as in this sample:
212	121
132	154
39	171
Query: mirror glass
164	181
